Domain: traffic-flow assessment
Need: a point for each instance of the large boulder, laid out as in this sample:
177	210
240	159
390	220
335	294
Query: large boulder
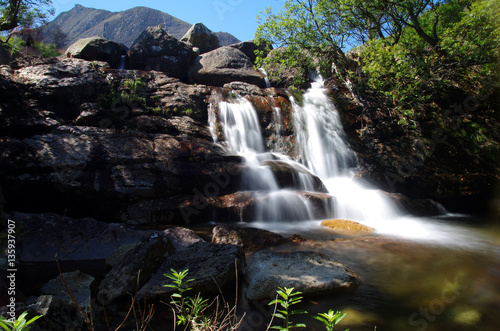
201	37
249	47
211	266
156	50
135	268
222	66
311	273
77	282
97	49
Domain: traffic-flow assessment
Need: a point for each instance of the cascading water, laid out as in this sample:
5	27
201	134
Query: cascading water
324	153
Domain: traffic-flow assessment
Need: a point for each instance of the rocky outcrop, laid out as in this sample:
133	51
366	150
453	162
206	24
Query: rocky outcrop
211	266
313	274
224	65
245	237
202	38
248	48
156	50
97	49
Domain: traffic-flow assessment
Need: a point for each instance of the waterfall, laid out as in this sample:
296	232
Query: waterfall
324	156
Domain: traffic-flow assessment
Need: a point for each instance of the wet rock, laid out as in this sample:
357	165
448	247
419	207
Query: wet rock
347	225
222	66
418	207
182	238
287	204
77	282
155	49
135	268
311	273
295	176
201	37
247	238
97	49
211	266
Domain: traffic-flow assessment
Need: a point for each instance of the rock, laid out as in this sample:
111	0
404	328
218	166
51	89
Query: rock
286	204
201	37
5	57
247	238
97	49
222	66
311	273
135	269
281	76
156	50
418	207
78	283
58	314
295	176
101	173
46	235
152	124
346	225
182	237
248	48
211	266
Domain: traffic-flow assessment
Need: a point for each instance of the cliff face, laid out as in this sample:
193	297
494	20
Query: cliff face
121	27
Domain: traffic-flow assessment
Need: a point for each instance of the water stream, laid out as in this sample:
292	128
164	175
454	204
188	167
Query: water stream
420	273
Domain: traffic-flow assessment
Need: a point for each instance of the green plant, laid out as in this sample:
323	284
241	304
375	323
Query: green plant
330	319
20	324
192	311
289	297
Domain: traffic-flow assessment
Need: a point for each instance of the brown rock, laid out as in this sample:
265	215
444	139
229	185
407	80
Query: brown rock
346	225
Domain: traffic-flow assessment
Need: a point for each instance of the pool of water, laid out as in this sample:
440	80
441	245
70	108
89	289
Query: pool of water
449	280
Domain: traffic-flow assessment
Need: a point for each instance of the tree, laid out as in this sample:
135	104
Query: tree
23	13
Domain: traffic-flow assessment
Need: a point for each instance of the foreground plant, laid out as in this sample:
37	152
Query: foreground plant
286	298
330	319
20	324
191	311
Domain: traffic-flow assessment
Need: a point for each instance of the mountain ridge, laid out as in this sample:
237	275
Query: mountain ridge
122	27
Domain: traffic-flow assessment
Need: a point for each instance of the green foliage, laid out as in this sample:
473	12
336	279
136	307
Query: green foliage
24	13
16	46
20	324
286	298
130	92
330	319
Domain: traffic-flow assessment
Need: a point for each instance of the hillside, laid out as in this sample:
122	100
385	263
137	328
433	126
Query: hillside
123	27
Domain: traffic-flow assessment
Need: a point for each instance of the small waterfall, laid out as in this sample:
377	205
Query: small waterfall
121	66
266	78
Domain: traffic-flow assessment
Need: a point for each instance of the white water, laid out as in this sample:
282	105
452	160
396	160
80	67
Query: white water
325	153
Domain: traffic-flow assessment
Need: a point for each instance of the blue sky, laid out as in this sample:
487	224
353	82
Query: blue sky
234	16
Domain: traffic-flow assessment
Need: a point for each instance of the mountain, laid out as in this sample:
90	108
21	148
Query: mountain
122	27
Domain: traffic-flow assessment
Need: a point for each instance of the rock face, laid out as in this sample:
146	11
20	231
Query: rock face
97	49
212	266
79	284
201	37
248	48
311	273
156	50
224	65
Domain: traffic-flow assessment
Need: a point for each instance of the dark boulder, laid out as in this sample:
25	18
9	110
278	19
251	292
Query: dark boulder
249	47
156	50
222	66
211	266
5	57
97	49
245	237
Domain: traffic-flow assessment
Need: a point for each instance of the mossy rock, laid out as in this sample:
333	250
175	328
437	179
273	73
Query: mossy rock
346	225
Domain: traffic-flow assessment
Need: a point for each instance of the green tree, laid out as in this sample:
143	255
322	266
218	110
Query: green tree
24	13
